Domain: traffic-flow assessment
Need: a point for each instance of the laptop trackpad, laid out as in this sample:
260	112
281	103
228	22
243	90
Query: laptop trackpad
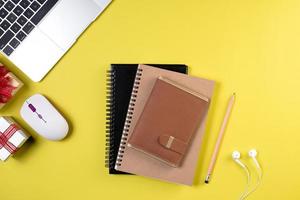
67	20
36	55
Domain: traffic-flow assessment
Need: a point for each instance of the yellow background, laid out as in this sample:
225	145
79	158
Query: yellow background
249	47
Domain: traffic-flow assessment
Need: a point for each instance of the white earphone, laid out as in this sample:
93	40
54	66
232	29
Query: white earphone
252	154
236	155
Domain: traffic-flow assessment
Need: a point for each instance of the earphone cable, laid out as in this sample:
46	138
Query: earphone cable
260	174
243	195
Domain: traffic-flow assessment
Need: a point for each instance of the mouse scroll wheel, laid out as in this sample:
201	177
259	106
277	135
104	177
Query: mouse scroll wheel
32	108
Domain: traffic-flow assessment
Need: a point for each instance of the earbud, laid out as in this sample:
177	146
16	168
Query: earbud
236	155
253	153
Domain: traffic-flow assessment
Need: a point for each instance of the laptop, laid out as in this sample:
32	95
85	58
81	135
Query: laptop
35	34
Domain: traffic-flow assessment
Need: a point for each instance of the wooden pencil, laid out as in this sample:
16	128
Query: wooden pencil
219	140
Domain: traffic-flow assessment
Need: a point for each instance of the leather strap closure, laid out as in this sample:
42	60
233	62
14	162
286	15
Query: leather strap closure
172	143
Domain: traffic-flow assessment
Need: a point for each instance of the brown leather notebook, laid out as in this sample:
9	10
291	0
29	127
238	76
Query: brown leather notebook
136	162
168	122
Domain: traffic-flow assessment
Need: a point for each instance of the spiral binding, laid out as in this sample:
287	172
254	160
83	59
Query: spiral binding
129	117
110	85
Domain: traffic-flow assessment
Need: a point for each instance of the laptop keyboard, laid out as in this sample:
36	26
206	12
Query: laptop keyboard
18	18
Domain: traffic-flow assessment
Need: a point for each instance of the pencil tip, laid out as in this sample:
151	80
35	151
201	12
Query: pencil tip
207	179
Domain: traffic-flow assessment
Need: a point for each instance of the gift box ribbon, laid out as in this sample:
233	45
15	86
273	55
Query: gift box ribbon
6	89
4	139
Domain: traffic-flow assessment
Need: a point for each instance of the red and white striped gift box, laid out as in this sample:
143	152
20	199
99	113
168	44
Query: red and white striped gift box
11	137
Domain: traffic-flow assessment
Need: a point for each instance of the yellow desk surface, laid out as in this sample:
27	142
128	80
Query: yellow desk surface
249	47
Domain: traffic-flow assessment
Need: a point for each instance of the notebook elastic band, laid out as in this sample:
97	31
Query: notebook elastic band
173	143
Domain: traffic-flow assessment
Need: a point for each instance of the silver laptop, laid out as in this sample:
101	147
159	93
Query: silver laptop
35	34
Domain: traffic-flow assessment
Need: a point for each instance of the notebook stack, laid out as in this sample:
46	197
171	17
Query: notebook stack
156	120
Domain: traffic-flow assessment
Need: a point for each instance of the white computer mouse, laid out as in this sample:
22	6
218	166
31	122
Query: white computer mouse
43	117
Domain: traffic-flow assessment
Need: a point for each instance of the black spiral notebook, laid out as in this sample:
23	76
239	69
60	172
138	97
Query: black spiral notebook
120	81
